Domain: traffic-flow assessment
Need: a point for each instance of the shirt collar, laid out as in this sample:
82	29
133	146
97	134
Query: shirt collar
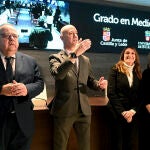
67	51
2	56
130	67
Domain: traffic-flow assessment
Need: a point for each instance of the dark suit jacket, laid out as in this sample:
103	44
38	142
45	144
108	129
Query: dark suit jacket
146	85
121	96
27	72
145	94
70	86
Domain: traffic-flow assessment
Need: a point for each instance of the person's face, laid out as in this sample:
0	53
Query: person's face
8	40
129	56
70	36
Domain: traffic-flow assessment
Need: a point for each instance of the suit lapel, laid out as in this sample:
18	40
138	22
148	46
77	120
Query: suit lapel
64	56
2	73
1	65
135	80
18	65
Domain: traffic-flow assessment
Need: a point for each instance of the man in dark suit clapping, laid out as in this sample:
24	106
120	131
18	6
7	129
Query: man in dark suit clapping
72	72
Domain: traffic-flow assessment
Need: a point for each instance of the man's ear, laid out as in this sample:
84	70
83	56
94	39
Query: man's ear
61	37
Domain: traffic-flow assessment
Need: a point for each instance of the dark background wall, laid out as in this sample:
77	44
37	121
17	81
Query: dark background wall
117	4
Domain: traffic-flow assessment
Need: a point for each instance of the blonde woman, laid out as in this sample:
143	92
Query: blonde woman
123	93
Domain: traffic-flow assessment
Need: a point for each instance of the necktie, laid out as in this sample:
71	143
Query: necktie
9	70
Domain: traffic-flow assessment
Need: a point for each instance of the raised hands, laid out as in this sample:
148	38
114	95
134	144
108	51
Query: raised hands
82	46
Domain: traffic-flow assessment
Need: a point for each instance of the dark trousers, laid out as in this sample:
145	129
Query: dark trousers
62	128
11	137
144	131
125	136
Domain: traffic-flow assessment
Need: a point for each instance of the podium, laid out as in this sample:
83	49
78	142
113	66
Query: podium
100	134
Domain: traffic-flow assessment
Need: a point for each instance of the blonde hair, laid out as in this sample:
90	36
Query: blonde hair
121	67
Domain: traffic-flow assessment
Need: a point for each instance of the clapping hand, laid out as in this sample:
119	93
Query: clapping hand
82	46
103	83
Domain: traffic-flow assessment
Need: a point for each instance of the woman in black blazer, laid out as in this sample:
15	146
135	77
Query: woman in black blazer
124	102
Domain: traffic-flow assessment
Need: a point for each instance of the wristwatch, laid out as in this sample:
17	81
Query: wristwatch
73	55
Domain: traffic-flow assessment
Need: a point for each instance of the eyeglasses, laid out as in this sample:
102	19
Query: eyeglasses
7	36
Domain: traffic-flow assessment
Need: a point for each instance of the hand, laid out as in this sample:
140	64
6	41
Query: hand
148	107
103	83
82	46
14	89
18	89
128	115
129	120
6	89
